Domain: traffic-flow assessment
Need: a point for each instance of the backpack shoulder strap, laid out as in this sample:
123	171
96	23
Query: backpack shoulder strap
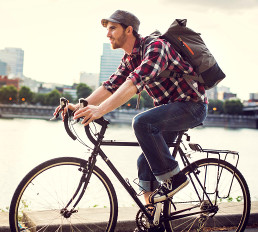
148	40
188	81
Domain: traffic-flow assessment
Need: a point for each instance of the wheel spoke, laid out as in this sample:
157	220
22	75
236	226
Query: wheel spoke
232	201
40	200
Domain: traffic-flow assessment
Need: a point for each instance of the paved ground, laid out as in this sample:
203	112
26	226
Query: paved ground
126	219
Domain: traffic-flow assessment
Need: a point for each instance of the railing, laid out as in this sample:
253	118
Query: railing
125	116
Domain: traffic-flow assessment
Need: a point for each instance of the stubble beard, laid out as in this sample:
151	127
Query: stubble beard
119	42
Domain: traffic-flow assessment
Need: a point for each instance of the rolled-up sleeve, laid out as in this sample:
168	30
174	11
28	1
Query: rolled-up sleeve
155	60
117	78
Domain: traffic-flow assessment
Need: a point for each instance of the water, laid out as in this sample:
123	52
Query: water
26	143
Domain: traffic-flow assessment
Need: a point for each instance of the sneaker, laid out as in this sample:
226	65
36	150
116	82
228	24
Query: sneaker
169	188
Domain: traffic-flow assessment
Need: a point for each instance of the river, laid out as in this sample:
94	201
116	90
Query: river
28	142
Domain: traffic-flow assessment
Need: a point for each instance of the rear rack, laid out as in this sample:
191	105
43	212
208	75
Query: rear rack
222	154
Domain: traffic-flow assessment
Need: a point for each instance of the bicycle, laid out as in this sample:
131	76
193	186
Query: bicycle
67	193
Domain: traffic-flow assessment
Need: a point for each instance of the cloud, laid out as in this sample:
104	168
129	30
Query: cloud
222	4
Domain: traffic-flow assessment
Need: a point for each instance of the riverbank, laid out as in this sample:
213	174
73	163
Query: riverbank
125	116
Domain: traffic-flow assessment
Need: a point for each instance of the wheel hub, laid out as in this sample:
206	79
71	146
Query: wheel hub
67	213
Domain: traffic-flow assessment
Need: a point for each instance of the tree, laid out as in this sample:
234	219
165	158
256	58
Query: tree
8	94
148	101
40	98
53	98
25	95
83	90
131	104
233	107
68	96
215	107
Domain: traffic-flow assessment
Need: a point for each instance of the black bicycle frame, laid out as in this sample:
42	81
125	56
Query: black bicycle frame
98	151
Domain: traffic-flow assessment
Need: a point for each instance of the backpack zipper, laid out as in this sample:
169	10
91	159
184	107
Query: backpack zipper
186	45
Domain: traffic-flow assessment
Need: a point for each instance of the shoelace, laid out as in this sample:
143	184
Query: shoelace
166	185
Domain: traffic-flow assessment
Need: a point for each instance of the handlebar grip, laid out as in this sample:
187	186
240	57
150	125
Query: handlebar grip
66	125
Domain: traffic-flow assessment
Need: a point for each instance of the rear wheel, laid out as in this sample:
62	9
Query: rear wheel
231	199
40	199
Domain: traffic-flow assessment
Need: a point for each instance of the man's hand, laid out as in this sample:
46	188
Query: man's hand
89	113
69	106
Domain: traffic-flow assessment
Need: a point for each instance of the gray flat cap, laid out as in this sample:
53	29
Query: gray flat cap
122	17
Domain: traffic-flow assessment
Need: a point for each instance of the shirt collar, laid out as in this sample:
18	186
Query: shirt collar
137	46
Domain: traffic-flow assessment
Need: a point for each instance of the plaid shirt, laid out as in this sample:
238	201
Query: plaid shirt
144	72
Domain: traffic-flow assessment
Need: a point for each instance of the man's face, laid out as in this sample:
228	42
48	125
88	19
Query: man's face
116	34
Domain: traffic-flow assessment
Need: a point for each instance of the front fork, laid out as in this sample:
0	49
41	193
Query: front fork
84	181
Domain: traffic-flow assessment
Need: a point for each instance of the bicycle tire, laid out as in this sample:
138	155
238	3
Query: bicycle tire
42	194
233	207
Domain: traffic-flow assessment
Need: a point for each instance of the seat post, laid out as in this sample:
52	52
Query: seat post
178	141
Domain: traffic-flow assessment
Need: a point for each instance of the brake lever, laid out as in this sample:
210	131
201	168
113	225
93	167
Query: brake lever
63	103
82	103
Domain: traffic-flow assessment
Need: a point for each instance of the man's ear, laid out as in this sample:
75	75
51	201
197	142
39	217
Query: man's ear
129	30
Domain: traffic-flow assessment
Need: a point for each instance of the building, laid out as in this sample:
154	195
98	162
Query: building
110	60
225	94
30	83
90	79
212	94
5	81
13	57
3	68
71	91
253	97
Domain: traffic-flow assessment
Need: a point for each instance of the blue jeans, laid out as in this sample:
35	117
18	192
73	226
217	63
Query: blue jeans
153	129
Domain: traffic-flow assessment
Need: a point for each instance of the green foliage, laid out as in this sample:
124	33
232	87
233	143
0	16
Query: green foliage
131	104
83	90
233	107
147	100
239	199
25	95
6	209
8	94
53	98
215	107
68	96
39	98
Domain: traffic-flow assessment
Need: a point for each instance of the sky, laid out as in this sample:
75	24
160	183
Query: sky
62	38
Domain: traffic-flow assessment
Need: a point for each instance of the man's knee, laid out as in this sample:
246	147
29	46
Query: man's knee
139	123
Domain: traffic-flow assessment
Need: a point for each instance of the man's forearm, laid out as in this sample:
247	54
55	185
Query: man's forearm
98	96
124	93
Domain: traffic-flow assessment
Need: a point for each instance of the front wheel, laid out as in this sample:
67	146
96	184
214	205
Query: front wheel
39	201
227	190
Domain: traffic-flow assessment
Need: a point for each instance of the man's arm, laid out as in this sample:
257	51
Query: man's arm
124	93
98	96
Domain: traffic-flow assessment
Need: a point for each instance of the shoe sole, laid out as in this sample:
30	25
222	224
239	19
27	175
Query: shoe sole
171	194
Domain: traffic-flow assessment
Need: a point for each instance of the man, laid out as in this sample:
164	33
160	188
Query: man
177	106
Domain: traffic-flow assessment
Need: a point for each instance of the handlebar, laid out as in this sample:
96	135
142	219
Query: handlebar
83	103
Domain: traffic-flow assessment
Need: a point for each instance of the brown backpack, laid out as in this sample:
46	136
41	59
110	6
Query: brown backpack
191	47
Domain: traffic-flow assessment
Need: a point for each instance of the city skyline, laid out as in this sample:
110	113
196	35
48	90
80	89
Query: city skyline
62	38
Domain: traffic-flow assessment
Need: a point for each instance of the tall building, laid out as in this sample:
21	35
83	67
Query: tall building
3	68
110	60
90	79
13	57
